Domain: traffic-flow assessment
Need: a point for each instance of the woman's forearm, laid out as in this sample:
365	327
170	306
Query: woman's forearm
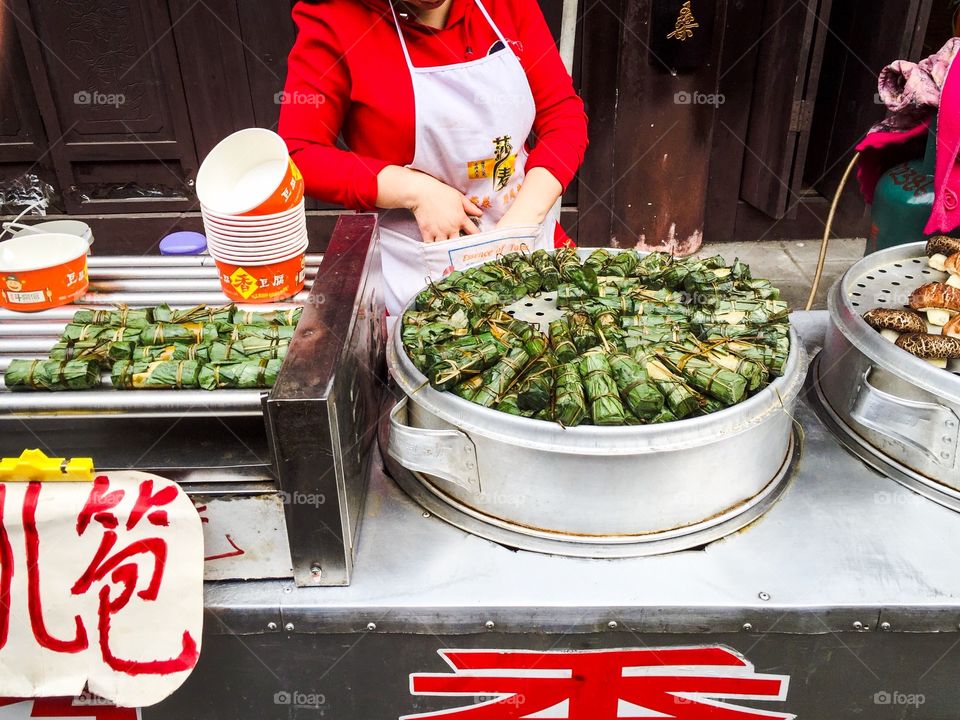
399	187
539	193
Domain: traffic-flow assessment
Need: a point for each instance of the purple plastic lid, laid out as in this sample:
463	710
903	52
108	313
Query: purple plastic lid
184	242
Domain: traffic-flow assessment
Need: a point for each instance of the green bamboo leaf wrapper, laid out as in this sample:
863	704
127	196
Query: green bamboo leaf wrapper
199	313
680	398
251	375
289	317
549	275
535	389
768	333
582	332
77	333
526	273
164	333
561	342
638	392
773	356
174	351
583	276
420	318
570	408
666	415
157	375
598	259
755	373
514	332
451	349
53	375
469	387
568	294
509	405
463	362
122	316
622	264
609	330
104	352
725	385
498	378
606	408
251	348
536	345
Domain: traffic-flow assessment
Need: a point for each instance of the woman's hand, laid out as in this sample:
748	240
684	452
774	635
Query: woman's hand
540	190
442	212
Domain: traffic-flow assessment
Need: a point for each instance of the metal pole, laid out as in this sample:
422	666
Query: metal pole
568	33
568	42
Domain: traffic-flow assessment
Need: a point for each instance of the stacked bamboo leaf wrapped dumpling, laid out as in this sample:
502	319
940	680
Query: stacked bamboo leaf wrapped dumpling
163	348
642	340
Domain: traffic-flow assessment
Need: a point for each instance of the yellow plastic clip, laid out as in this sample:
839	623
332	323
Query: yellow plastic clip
35	465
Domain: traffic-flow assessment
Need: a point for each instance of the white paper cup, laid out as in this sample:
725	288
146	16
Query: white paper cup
257	241
249	171
235	219
248	231
259	259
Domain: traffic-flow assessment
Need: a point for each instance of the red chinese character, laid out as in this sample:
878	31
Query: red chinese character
243	283
679	683
34	596
124	571
6	571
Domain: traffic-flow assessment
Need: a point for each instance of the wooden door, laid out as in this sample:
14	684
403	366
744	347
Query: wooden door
652	104
106	77
785	87
23	142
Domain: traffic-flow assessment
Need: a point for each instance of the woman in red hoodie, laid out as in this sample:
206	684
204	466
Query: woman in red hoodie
435	100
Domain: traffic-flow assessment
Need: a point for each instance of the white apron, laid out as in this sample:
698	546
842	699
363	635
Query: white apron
472	120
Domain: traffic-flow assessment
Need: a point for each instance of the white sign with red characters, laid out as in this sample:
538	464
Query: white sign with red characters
101	589
63	708
684	683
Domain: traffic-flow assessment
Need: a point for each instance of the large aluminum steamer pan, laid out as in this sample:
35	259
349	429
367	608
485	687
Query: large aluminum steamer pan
608	483
903	407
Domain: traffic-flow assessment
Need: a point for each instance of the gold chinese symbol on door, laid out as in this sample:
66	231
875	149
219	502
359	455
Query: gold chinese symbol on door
500	167
686	22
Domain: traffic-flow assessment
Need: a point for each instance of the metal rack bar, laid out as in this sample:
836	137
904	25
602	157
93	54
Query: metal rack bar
102	261
132	403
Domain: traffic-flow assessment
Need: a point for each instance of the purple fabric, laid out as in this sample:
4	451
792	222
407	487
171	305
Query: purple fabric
911	91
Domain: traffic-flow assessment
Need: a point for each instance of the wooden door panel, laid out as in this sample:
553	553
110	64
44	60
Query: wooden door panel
553	12
213	66
268	32
23	143
784	90
106	78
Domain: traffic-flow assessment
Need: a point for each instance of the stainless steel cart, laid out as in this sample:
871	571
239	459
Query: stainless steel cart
842	600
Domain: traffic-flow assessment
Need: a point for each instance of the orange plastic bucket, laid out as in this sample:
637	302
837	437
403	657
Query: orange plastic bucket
42	271
270	282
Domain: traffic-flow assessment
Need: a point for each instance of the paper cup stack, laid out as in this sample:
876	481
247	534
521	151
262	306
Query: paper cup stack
251	197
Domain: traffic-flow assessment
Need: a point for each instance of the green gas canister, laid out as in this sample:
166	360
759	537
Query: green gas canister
904	199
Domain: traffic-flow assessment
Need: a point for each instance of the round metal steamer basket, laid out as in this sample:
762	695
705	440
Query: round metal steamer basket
897	412
697	478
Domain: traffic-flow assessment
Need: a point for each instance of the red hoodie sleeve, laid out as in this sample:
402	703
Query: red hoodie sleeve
561	124
317	98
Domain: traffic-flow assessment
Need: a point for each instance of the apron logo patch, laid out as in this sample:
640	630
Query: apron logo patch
500	167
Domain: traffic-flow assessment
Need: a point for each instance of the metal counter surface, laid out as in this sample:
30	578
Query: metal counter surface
845	549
